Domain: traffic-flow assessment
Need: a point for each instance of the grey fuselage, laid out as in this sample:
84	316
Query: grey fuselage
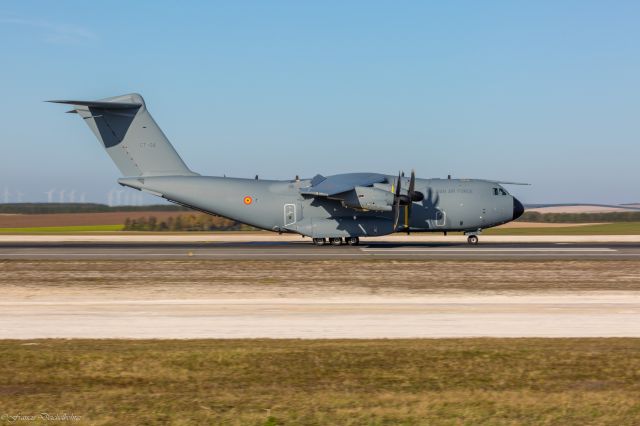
449	205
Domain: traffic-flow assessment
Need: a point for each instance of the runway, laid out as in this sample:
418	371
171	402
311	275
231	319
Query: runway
304	250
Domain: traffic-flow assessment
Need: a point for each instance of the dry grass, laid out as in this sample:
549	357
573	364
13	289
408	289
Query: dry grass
300	278
374	382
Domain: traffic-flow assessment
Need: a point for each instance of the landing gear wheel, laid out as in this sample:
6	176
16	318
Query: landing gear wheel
472	239
319	241
335	241
352	241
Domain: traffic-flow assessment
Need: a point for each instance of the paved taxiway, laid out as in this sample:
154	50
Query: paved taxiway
305	250
600	315
342	316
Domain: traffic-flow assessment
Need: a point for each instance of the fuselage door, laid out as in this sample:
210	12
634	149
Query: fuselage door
441	218
289	214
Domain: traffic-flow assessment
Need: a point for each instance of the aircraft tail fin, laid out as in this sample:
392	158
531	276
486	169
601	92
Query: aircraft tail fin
130	136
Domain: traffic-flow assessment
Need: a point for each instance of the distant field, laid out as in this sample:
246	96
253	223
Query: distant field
77	219
62	229
322	382
594	217
117	221
619	228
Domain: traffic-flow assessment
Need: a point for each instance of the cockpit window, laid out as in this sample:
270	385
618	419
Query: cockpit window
502	191
499	191
495	191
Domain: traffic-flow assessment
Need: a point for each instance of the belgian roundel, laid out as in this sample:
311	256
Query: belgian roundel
248	200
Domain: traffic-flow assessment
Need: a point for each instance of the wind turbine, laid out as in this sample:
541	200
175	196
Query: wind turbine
19	194
72	196
61	196
7	194
83	197
50	195
110	195
119	197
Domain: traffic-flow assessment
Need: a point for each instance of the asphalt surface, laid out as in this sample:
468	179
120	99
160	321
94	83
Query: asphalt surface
305	250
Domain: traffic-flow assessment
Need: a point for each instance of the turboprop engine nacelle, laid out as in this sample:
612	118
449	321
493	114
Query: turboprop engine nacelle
367	198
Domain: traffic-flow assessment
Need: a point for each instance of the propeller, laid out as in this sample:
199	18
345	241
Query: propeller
414	196
405	200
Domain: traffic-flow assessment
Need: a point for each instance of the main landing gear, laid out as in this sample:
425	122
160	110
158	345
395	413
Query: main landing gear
352	241
319	241
337	241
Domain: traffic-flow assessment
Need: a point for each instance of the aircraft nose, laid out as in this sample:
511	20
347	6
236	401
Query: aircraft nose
518	208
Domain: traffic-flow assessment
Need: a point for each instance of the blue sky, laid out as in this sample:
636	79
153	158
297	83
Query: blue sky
544	92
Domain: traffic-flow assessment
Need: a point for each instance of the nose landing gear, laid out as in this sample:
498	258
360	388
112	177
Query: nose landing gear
472	236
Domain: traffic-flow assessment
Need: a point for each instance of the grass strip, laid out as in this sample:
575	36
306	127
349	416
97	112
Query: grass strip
318	382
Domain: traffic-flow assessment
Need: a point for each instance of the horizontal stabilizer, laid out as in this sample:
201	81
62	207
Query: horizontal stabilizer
100	104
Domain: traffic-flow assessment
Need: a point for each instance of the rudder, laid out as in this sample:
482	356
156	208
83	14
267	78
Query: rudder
130	136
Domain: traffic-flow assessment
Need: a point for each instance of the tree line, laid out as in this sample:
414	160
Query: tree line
184	222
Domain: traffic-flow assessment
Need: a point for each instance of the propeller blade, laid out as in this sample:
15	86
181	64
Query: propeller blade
413	194
409	203
396	214
412	182
396	202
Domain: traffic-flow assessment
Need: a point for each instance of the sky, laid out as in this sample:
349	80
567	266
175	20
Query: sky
543	92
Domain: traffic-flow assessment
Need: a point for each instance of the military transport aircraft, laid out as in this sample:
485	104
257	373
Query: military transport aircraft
330	209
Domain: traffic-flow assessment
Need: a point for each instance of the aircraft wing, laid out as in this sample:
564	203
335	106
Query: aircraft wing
502	182
328	186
